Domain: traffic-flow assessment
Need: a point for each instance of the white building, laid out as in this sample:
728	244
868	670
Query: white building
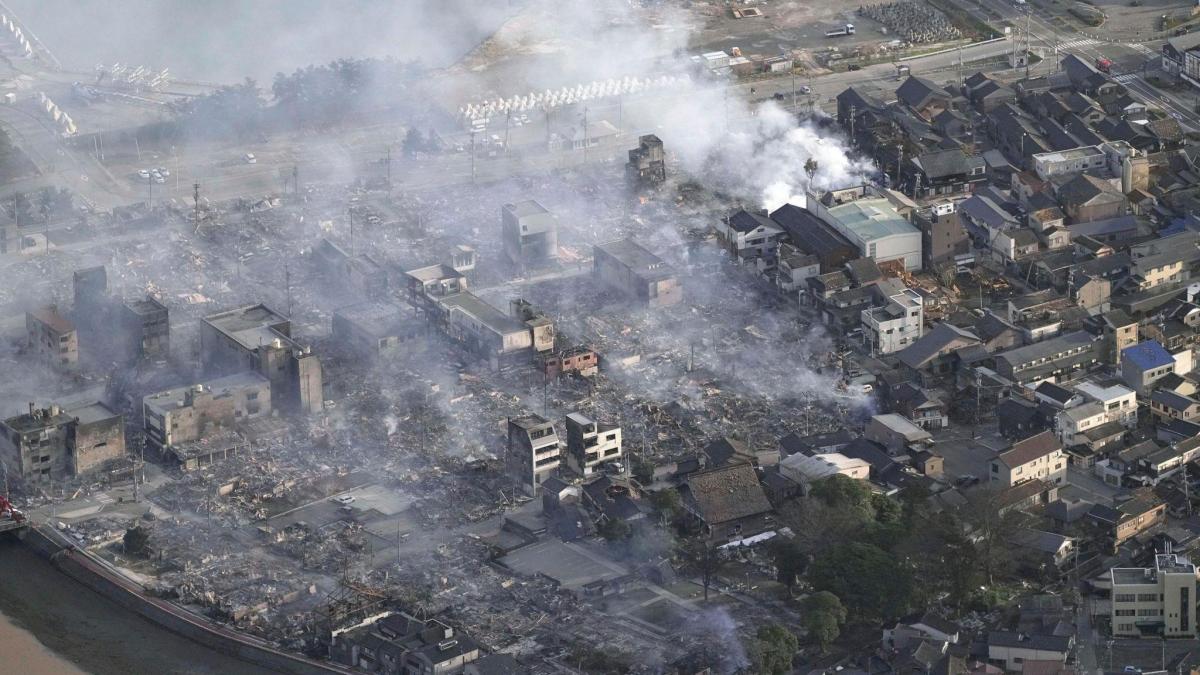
1038	457
1149	601
591	444
534	452
806	470
750	237
1103	403
896	325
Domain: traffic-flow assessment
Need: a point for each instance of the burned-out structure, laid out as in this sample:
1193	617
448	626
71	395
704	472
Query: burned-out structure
147	328
48	443
176	420
637	273
529	233
52	339
256	339
358	274
374	329
534	451
591	444
647	165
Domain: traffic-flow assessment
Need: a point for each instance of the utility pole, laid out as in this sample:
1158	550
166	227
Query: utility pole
296	178
287	282
150	183
389	167
585	134
351	213
1028	45
960	81
793	87
473	152
196	205
507	121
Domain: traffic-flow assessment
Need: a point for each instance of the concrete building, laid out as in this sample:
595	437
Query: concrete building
896	325
255	338
184	415
529	233
1049	165
591	444
1011	650
375	329
1155	601
1145	363
37	446
534	452
358	275
502	339
97	438
52	339
147	326
1039	457
400	644
943	237
647	163
426	284
870	221
636	272
896	433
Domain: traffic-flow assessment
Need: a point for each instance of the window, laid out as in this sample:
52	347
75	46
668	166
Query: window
1124	597
1125	612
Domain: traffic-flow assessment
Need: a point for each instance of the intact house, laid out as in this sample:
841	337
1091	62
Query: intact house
895	325
1145	363
1039	457
944	172
1055	358
751	238
727	501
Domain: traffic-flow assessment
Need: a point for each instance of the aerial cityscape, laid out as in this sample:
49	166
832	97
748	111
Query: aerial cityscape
673	337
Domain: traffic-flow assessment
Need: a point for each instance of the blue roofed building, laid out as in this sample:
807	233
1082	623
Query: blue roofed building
1144	364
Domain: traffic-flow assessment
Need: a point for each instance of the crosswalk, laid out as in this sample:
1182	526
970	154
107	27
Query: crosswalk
1141	49
1082	42
1125	77
1077	43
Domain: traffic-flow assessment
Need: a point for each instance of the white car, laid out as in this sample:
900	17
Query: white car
162	171
143	173
344	500
158	178
250	158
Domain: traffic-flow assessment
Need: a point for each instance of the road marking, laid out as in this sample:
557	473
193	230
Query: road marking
1078	42
1127	77
1141	49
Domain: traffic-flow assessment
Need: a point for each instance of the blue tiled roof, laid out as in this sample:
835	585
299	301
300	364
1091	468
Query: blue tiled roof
1147	355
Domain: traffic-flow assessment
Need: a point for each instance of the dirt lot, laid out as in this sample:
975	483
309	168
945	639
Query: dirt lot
784	26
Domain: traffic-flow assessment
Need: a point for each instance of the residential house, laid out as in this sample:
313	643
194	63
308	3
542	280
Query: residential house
1145	363
726	501
1057	357
750	238
895	325
943	172
1039	457
1010	650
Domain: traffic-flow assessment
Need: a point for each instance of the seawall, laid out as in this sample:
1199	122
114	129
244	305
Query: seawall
96	575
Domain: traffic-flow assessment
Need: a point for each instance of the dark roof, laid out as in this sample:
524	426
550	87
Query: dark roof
870	452
1171	400
794	443
497	664
944	163
1055	392
745	221
809	233
726	493
916	91
724	450
863	270
1147	355
936	341
1084	188
1025	451
1105	226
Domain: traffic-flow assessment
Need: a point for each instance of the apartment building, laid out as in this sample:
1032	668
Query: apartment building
534	451
590	443
1105	404
1154	601
187	414
896	325
1038	457
36	445
52	339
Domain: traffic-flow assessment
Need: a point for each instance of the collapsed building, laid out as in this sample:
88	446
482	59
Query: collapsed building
375	329
647	163
255	338
52	339
359	275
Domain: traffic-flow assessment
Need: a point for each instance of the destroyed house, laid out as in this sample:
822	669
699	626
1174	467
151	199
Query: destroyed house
484	330
639	274
359	274
374	329
255	338
647	162
97	438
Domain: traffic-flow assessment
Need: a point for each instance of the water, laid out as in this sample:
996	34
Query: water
227	40
52	624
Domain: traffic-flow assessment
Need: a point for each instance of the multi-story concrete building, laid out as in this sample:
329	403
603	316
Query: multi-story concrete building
37	445
636	272
374	329
896	325
751	238
590	443
530	234
1038	457
184	415
533	450
1145	363
1155	601
255	338
52	339
647	163
147	326
1105	402
97	438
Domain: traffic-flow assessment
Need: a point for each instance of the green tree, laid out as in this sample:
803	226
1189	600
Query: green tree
845	493
614	529
991	529
706	558
790	560
773	649
870	581
667	504
823	617
643	471
413	142
136	541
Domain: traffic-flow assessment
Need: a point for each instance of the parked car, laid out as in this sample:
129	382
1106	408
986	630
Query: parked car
344	500
250	158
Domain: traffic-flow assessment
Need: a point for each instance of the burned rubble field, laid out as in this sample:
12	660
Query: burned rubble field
418	440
